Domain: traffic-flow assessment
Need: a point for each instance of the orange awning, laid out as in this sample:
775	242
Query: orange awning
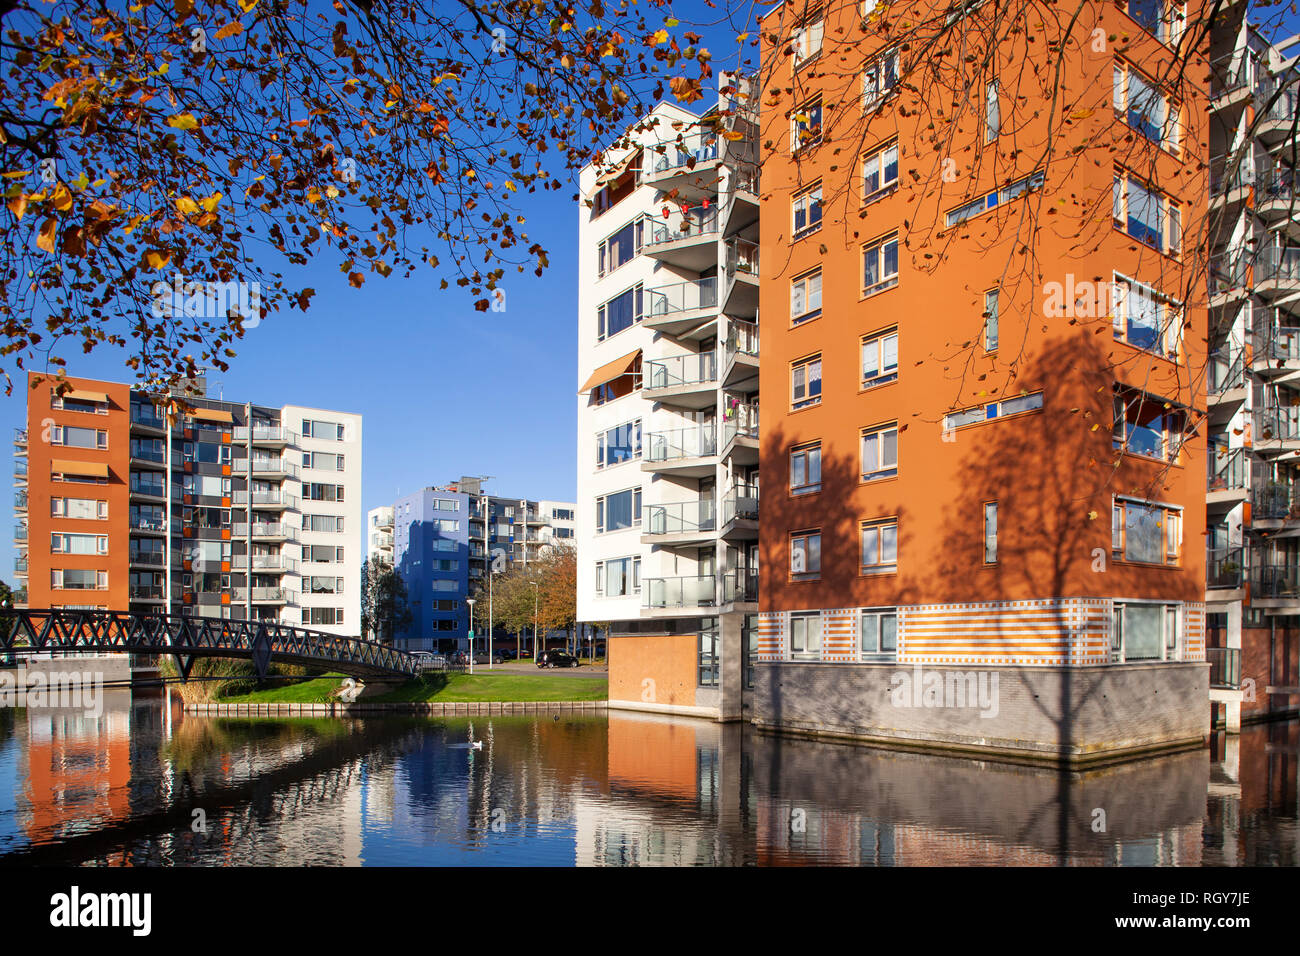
65	467
83	396
211	415
611	370
618	170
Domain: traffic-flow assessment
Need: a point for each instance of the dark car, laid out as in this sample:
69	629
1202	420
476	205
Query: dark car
507	655
482	657
557	659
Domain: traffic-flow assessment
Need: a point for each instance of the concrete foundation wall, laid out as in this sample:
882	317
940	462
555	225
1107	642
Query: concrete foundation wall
1047	713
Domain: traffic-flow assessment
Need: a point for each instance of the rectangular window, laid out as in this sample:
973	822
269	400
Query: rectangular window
807	41
992	112
87	509
806	297
806	125
1144	632
807	210
880	171
990	532
621	247
806	382
78	543
981	413
1146	532
879	79
880	264
880	452
79	579
806	636
879	634
806	469
618	577
805	555
619	444
880	358
72	437
709	658
991	321
1144	426
326	431
618	511
879	546
1144	108
619	313
1146	214
1163	19
997	197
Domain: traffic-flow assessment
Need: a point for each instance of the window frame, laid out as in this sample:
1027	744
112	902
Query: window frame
876	92
1169	241
805	365
804	284
812	108
880	248
805	652
885	374
802	451
808	543
992	304
876	527
1171	545
879	433
805	201
884	186
990	524
880	655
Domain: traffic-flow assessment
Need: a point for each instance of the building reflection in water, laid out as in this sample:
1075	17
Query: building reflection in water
593	791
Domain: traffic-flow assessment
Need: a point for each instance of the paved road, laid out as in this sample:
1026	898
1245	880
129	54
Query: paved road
528	667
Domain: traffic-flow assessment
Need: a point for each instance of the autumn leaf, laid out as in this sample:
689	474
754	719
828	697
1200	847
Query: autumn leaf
45	239
229	30
184	8
183	121
18	206
186	206
660	36
157	260
356	279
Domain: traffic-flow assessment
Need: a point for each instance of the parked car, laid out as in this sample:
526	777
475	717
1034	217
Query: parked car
508	655
557	659
482	657
429	661
457	659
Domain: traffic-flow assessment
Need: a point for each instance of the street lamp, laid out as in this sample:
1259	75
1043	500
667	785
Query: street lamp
470	602
536	647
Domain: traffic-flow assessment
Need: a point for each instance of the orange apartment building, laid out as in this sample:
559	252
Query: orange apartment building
984	355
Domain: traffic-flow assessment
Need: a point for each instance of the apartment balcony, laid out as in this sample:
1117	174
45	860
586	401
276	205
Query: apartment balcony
148	457
148	526
1276	194
679	307
1224	574
20	439
740	587
271	436
740	432
683	381
1230	82
742	279
148	559
20	564
144	420
1225	385
1277	271
740	513
691	167
742	200
687	239
1230	184
1276	106
146	592
1226	479
1277	430
740	356
20	502
20	534
1229	279
262	595
679	593
1274	503
1277	352
273	468
19	597
264	562
385	524
267	500
1275	585
689	452
148	491
20	472
680	522
383	541
1225	667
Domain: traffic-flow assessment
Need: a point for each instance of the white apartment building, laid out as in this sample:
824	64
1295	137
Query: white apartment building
379	534
668	406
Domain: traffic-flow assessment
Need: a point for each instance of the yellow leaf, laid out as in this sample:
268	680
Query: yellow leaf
186	206
230	29
510	186
18	174
135	222
157	260
211	202
18	206
1082	114
45	239
62	198
331	191
182	121
247	7
660	36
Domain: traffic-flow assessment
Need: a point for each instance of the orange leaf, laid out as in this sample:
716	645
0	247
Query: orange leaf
230	30
45	239
356	279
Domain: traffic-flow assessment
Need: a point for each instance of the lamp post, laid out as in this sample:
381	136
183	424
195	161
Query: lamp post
470	602
536	646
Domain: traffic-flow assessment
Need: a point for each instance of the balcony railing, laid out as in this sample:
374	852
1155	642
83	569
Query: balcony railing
266	433
264	562
148	524
1278	262
742	257
694	149
1281	343
20	500
678	443
154	558
20	533
146	416
1226	469
274	466
682	297
739	421
1228	74
262	594
1223	567
690	224
1276	184
20	436
692	591
678	370
1277	424
1225	666
146	592
742	338
682	517
1227	273
143	453
261	530
740	502
739	585
1275	581
1224	178
1280	108
1274	499
1226	372
150	488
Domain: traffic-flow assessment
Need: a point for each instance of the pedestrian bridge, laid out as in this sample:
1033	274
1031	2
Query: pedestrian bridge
28	631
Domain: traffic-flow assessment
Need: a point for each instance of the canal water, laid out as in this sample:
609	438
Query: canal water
142	783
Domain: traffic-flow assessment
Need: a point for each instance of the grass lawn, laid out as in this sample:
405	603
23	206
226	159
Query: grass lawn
442	687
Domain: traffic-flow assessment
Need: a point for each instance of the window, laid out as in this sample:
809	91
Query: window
72	437
992	112
807	211
329	616
1006	194
806	298
1145	426
314	491
880	452
618	511
880	171
806	469
327	431
990	532
621	247
619	577
1145	108
89	509
879	634
322	553
991	321
1146	214
331	523
1144	632
322	461
438	504
619	444
79	579
67	403
445	525
806	382
880	264
981	413
806	125
880	358
1146	532
806	635
79	543
880	546
1161	18
879	79
805	555
619	313
708	652
562	514
807	40
1145	318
